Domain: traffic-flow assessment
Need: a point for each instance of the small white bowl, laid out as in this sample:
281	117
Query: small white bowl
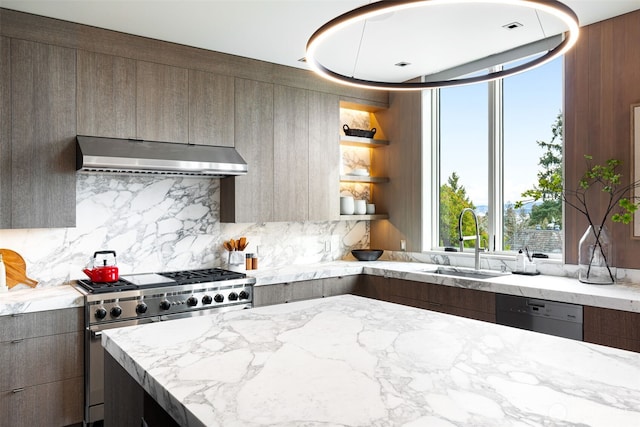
359	172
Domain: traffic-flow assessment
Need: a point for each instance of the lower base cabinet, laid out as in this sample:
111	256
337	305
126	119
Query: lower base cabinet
613	328
281	293
470	303
54	404
462	302
126	403
41	374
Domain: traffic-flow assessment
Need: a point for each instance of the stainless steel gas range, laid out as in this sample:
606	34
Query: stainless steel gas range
145	298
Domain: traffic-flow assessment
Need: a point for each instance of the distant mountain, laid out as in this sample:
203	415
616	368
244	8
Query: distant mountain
526	208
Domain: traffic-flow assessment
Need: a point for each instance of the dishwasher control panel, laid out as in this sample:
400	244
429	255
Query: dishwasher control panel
549	317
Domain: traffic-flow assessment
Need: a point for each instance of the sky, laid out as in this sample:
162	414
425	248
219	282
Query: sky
532	100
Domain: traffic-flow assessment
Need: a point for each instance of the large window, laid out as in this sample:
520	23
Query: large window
492	142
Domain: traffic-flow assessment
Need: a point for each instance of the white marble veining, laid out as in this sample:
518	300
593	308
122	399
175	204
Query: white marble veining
351	361
158	224
621	296
27	300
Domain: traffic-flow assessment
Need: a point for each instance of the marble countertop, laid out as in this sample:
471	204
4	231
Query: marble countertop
352	361
29	300
623	296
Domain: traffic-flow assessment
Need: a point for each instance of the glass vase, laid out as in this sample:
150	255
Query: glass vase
595	257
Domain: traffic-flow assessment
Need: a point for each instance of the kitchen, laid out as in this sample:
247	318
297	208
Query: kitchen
170	224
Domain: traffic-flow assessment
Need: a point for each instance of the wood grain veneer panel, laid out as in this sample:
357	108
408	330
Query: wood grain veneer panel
5	133
43	126
324	157
53	31
290	154
401	198
602	75
162	107
106	95
211	108
249	198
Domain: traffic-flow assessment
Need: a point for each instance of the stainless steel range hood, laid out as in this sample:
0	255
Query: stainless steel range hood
130	156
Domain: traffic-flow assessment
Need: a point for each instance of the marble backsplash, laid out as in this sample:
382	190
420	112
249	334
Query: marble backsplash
158	224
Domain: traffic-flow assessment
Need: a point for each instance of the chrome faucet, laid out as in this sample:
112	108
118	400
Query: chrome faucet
476	237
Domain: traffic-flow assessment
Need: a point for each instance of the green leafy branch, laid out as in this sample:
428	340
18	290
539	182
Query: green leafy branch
620	204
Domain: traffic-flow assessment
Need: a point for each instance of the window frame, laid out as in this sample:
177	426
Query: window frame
495	146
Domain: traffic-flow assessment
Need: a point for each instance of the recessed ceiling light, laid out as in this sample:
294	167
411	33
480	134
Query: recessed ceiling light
402	64
512	26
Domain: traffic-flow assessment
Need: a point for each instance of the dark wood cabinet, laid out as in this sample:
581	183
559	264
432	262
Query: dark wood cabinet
281	293
43	130
42	374
376	287
332	286
291	154
106	95
162	106
324	157
249	198
613	328
211	109
271	294
5	133
471	303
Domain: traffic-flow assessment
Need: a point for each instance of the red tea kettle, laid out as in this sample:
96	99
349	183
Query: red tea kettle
103	273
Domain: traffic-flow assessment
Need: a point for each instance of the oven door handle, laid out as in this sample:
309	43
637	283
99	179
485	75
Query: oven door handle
96	334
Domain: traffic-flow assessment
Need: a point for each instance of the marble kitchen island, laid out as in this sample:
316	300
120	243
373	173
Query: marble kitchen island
352	361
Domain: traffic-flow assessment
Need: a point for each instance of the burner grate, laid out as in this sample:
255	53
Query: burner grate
203	275
102	287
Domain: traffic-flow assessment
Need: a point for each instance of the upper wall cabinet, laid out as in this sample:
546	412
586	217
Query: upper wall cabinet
249	198
324	155
43	130
288	138
162	107
5	133
106	95
211	109
291	154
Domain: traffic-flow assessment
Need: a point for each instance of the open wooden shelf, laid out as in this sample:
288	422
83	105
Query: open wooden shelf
365	179
363	217
355	141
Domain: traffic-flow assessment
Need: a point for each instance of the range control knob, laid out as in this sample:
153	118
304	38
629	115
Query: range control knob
116	311
218	298
141	308
207	299
101	313
233	296
244	295
165	305
192	301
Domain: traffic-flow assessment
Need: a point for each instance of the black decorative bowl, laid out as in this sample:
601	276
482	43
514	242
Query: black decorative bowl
362	133
367	254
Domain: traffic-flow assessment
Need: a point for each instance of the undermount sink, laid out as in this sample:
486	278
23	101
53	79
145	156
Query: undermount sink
471	274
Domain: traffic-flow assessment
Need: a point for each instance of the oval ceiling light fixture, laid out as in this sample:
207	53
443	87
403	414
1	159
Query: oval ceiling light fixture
362	47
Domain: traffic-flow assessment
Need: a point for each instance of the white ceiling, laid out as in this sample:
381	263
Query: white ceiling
268	30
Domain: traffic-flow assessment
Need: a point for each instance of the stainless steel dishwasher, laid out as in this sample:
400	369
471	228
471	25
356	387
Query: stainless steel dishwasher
549	317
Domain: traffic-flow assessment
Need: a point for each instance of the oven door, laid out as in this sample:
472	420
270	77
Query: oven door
94	367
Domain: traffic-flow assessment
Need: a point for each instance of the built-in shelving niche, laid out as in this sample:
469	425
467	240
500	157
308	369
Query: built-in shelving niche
362	153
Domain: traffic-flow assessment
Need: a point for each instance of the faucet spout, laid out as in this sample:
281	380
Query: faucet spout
463	238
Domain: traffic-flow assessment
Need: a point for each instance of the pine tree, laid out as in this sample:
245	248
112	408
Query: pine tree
549	185
453	199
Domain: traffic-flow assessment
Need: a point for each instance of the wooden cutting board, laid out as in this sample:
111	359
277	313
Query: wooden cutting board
16	269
